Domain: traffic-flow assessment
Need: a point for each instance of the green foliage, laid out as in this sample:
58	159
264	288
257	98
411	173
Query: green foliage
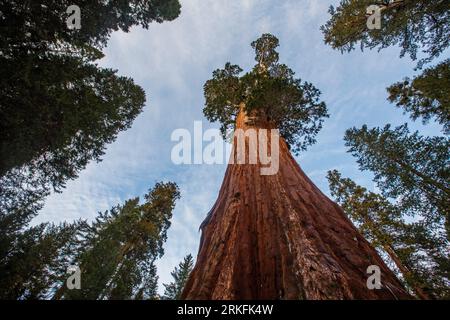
180	275
56	119
42	23
421	251
410	167
58	109
412	24
116	253
426	96
32	260
271	92
120	248
378	220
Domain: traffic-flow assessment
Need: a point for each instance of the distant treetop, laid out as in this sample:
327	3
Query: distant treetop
269	91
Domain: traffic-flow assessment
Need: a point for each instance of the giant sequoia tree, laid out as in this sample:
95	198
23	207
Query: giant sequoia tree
426	96
277	236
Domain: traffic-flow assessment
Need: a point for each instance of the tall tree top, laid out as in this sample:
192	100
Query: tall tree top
270	92
414	25
36	24
266	55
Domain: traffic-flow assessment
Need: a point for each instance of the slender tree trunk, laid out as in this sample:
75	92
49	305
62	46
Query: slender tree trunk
279	237
394	257
405	271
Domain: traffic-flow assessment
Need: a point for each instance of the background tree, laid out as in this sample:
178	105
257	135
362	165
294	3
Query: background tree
416	252
32	260
410	170
277	236
413	25
57	121
408	167
180	275
58	109
120	248
31	24
116	253
426	96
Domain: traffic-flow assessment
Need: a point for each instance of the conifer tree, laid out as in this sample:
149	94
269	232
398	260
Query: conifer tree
120	248
58	108
180	275
413	25
277	236
409	169
407	166
33	260
426	96
416	252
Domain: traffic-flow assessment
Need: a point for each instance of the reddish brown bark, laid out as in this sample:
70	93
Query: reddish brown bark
279	237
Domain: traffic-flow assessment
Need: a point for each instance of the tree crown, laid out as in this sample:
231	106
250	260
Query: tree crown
413	25
269	91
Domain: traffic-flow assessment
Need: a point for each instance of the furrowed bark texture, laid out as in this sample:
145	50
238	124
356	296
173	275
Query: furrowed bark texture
279	237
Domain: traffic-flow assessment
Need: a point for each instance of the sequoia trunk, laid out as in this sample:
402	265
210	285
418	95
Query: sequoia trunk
279	237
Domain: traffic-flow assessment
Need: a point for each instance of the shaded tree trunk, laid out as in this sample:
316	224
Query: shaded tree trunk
279	237
406	272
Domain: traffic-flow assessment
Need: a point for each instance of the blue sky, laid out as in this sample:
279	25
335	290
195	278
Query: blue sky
171	61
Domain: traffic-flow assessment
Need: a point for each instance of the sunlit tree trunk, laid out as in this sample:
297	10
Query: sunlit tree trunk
279	237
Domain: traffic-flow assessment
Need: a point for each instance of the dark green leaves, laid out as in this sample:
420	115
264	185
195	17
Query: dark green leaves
412	24
265	53
39	24
116	253
270	91
426	96
58	109
223	93
117	259
407	166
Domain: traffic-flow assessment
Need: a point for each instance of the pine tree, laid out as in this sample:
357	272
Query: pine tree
180	275
410	167
35	258
121	246
413	25
58	109
426	96
57	121
36	25
277	236
415	251
48	68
